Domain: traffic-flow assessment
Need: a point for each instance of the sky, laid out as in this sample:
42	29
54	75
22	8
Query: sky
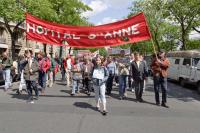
106	11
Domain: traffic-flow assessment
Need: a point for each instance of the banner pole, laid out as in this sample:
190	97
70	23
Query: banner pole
154	48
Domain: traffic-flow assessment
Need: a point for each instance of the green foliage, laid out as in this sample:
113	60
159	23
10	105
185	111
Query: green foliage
144	47
60	11
69	11
193	44
169	20
186	13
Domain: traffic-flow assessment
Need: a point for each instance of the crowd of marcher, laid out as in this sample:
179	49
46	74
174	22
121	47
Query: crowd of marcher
90	74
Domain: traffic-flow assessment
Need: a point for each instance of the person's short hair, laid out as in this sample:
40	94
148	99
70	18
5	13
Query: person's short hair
26	51
161	51
31	52
136	53
41	53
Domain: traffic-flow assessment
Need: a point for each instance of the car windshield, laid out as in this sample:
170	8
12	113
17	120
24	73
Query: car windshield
195	61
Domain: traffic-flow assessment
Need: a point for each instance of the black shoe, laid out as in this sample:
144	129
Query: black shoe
104	112
120	98
107	93
158	104
36	97
164	105
72	94
88	93
141	100
19	92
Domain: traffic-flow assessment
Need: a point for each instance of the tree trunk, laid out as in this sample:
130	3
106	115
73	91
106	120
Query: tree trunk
61	51
70	50
183	36
13	54
45	48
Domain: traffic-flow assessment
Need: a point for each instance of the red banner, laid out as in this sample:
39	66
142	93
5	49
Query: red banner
122	32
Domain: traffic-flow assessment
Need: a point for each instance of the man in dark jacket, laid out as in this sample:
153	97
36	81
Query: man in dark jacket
31	75
139	74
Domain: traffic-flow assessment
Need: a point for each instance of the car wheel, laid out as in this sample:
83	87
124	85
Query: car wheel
182	82
198	87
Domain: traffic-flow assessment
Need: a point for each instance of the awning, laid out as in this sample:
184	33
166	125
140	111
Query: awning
3	45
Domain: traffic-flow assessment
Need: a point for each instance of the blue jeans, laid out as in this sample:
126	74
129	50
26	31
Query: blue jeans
6	76
75	86
122	84
42	79
160	82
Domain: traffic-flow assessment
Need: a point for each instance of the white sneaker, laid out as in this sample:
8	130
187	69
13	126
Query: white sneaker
32	102
133	90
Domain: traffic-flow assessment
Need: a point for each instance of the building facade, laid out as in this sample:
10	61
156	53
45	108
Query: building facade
22	44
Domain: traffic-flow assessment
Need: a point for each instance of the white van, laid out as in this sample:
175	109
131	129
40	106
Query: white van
185	67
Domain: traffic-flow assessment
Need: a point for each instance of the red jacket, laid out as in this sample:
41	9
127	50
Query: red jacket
44	64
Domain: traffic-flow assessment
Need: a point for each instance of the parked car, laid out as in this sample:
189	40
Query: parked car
185	67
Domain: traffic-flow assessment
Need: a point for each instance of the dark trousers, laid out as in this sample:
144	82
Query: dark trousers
32	85
42	79
160	82
109	84
117	79
122	84
139	85
54	76
87	84
63	75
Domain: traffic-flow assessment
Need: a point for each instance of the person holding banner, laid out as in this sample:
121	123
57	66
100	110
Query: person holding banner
111	66
6	66
44	65
159	66
123	64
68	69
87	69
76	77
22	80
50	71
31	69
99	78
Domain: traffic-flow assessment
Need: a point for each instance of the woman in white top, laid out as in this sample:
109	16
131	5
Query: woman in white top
99	78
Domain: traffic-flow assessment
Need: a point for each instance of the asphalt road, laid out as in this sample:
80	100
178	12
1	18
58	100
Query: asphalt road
58	112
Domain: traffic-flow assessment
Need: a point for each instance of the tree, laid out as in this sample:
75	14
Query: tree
60	11
153	12
13	11
184	13
69	12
